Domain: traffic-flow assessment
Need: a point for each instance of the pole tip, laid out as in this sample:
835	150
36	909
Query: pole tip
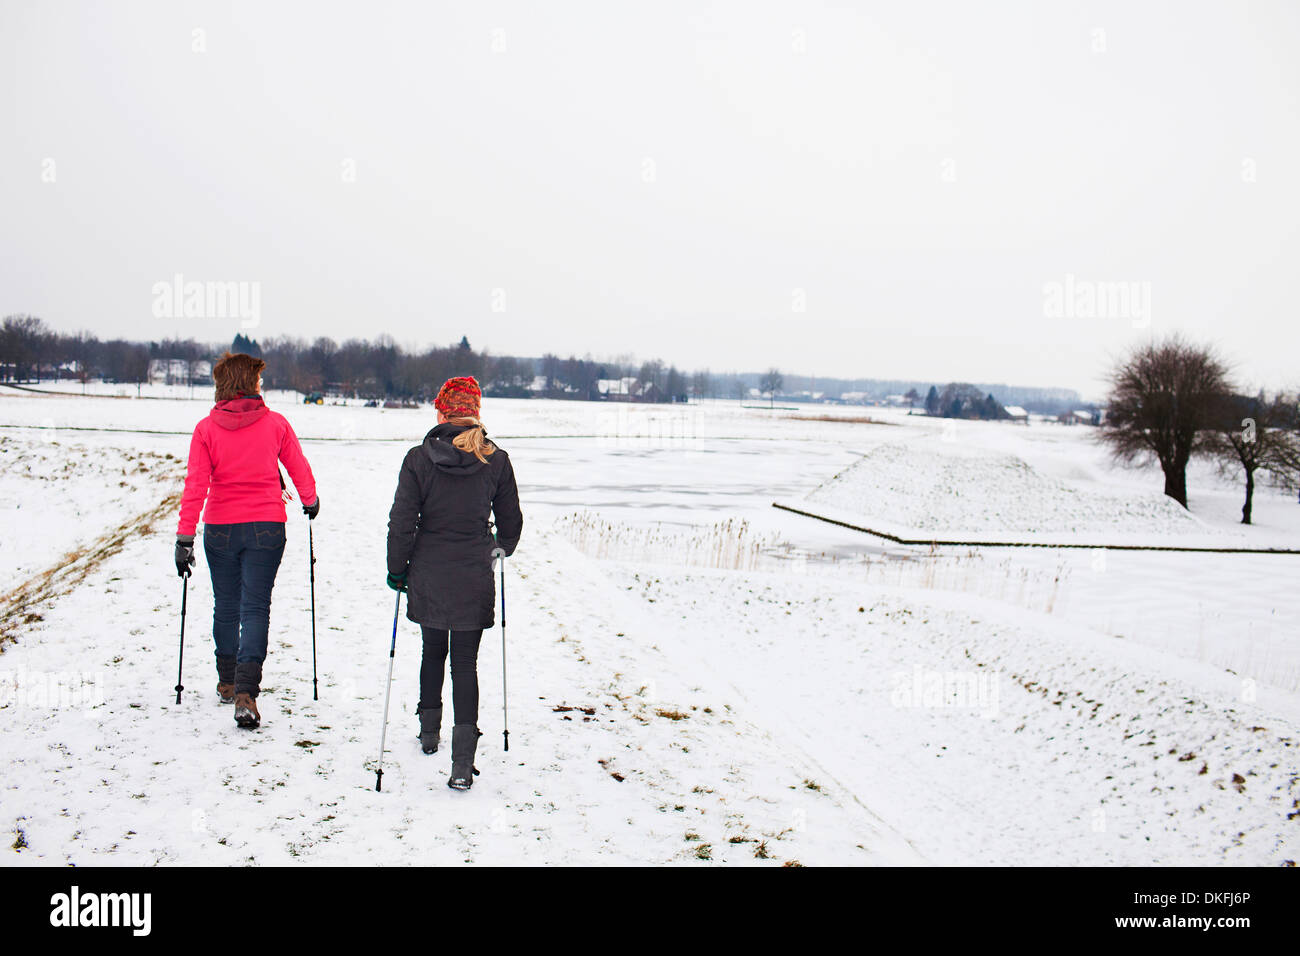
379	781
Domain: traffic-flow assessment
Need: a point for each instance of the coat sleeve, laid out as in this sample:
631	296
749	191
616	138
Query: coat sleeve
198	478
404	517
296	463
505	506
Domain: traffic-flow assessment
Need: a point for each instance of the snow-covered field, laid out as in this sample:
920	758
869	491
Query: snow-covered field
695	677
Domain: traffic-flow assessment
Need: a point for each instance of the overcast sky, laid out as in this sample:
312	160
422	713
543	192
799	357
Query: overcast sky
891	190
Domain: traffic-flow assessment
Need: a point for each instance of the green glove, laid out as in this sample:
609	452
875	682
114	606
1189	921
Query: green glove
397	581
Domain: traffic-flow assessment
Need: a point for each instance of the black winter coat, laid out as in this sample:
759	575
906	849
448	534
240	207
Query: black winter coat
438	530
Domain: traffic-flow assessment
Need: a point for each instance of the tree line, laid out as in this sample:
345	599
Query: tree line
31	352
376	368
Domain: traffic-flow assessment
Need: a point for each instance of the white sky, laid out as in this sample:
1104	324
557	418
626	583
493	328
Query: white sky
775	170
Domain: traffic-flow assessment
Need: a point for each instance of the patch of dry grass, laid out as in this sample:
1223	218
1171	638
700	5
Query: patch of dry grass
671	714
18	606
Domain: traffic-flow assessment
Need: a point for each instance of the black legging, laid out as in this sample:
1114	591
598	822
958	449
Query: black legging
464	671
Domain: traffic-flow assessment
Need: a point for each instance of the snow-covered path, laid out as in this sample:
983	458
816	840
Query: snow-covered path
138	779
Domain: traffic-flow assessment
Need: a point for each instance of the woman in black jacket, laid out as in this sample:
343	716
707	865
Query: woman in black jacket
440	552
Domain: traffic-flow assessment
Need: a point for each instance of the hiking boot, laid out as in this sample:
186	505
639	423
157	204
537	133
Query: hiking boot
246	714
430	728
464	741
226	679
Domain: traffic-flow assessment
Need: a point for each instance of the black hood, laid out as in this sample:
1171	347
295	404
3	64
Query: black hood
446	456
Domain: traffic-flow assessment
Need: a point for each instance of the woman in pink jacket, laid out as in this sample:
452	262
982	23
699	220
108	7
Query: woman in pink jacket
233	465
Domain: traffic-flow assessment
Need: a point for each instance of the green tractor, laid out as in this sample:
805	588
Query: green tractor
314	398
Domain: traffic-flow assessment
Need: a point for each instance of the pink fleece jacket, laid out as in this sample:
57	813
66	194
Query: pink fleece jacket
233	457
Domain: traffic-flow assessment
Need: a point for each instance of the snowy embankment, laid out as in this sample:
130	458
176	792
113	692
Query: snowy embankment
925	488
990	734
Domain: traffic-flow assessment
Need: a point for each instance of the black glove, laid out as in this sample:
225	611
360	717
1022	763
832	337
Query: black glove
184	554
313	509
397	581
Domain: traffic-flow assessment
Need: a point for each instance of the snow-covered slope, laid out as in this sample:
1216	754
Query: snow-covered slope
926	488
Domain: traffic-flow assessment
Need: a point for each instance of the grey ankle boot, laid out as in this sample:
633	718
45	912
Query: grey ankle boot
430	728
464	741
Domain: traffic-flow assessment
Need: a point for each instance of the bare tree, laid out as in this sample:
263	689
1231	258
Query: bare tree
771	383
1163	403
1254	434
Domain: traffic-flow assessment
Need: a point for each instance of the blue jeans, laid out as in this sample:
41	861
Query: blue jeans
243	559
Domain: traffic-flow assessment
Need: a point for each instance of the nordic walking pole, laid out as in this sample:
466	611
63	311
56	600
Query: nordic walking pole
180	664
311	546
392	653
499	553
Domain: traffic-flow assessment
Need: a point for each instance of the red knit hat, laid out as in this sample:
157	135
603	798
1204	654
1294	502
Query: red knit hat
459	397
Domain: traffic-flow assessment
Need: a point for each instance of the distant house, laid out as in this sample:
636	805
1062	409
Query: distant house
1017	414
649	392
1080	416
616	389
179	372
853	398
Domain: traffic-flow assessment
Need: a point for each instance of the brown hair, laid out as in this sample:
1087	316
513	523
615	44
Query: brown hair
236	374
472	439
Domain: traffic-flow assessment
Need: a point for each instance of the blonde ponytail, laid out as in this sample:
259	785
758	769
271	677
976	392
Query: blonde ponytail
472	440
